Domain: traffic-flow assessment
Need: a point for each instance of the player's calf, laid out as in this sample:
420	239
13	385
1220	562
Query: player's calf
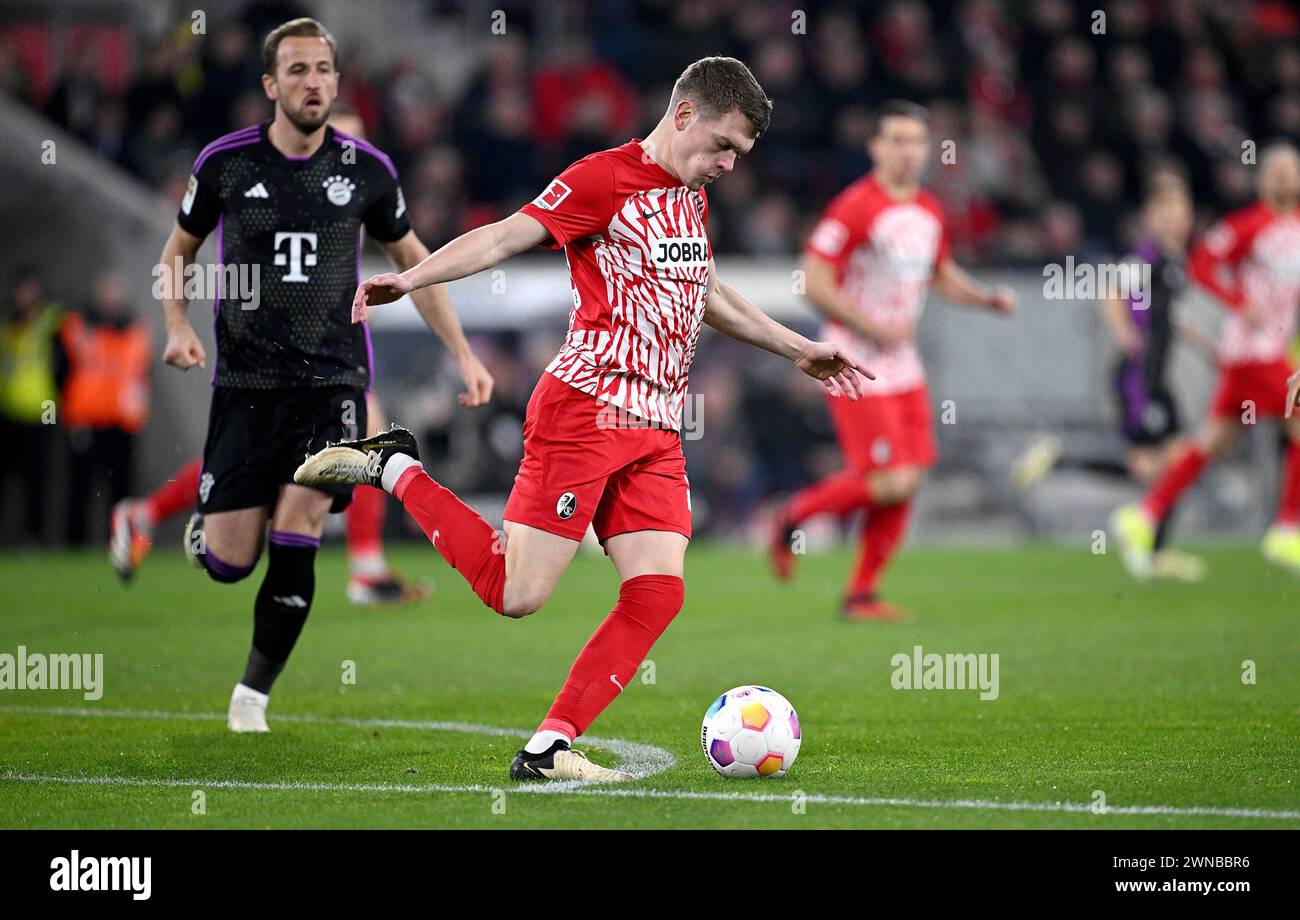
282	606
896	484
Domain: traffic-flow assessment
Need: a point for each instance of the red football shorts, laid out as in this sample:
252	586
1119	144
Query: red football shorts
586	466
877	432
1262	383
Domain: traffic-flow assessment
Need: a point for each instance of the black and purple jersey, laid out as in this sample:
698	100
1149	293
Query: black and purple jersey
296	223
1149	414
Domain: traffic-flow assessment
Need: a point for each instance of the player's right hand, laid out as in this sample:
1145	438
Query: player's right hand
183	349
1292	392
383	288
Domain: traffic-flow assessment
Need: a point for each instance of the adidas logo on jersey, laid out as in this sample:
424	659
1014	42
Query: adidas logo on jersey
257	191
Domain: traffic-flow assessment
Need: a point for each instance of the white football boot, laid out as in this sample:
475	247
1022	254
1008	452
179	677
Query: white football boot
247	711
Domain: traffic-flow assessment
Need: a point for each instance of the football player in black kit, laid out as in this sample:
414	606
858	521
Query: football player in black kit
287	199
1143	326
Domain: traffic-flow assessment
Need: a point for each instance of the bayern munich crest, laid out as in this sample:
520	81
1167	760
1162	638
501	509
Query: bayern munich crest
339	190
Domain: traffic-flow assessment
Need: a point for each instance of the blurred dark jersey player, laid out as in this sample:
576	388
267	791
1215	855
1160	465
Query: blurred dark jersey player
298	222
1149	414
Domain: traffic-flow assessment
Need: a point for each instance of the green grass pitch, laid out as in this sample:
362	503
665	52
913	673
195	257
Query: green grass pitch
1135	691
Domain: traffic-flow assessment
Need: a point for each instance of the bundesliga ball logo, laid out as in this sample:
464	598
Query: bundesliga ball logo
751	732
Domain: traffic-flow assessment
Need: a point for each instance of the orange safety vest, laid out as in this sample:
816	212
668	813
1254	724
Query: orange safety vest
108	375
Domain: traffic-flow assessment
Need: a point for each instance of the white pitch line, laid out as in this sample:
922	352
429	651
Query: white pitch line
623	793
582	789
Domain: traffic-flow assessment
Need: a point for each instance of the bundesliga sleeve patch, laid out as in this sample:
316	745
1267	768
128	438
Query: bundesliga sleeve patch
190	191
550	199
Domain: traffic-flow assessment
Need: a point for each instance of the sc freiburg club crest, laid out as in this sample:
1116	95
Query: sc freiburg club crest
567	504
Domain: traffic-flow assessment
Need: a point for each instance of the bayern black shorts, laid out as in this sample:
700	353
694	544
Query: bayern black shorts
1148	415
257	438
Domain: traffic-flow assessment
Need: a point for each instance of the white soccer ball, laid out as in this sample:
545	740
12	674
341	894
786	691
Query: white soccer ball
751	732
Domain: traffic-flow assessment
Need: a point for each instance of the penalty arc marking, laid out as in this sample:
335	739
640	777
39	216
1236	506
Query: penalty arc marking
644	760
641	760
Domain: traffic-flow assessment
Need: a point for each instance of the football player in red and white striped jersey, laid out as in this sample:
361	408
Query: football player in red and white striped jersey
879	247
601	444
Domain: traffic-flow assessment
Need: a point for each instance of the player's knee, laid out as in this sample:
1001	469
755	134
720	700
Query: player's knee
225	572
518	604
910	482
519	607
889	487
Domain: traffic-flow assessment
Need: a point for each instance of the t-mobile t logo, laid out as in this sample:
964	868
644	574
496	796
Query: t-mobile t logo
296	258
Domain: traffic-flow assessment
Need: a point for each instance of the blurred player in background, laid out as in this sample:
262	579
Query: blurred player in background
880	245
1143	327
291	197
1251	262
601	437
371	581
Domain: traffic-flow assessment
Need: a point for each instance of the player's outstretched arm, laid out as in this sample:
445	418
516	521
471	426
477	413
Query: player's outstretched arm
183	348
466	255
1292	392
953	282
823	291
729	312
434	307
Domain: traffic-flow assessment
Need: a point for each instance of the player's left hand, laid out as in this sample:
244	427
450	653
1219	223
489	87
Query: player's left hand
478	382
840	372
1292	392
1003	299
384	288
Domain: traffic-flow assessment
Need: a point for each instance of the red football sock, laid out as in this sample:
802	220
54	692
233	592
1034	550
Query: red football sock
365	524
1173	482
881	533
609	660
176	494
1288	507
469	544
841	493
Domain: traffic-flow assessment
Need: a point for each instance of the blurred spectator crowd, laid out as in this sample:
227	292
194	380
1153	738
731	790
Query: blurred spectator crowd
1047	120
1055	113
74	396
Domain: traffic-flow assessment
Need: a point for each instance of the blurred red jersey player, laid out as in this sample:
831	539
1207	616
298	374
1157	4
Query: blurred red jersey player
1250	261
879	246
